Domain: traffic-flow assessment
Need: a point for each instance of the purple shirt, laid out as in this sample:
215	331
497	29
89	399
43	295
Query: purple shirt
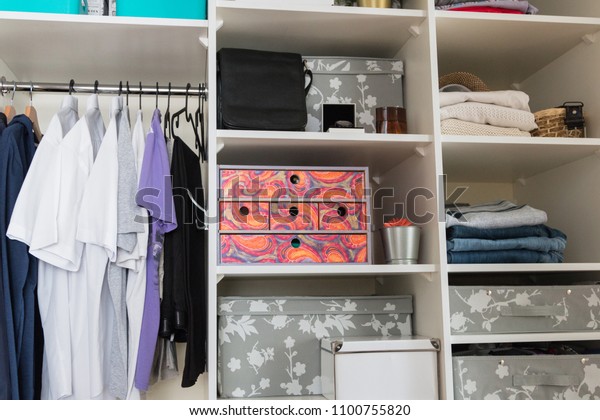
155	193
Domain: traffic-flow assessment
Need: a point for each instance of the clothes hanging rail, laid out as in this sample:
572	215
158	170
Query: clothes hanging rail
74	87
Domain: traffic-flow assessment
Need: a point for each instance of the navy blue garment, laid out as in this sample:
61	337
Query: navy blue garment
19	269
5	388
540	231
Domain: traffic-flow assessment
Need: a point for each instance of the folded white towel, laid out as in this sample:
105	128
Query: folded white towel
509	98
454	127
499	116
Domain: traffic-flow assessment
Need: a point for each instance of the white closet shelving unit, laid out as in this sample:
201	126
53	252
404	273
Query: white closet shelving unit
553	57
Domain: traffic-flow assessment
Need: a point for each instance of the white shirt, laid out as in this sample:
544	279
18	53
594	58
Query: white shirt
136	279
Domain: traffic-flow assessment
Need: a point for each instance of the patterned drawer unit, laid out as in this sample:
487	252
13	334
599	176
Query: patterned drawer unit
269	346
282	248
244	215
522	309
342	216
293	216
314	215
535	377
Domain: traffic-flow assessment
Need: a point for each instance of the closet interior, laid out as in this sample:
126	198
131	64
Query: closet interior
553	57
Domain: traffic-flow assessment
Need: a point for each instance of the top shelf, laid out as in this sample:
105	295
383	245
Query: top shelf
112	48
316	30
505	49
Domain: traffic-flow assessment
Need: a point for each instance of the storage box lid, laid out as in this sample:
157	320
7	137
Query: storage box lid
305	305
375	344
354	65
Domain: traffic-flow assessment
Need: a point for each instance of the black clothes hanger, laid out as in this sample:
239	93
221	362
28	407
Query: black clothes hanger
71	86
127	93
198	125
156	95
140	96
96	87
167	122
184	110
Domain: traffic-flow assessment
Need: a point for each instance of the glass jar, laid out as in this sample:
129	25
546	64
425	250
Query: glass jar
391	120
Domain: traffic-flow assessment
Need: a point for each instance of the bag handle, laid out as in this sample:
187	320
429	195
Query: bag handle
307	72
532	311
545	380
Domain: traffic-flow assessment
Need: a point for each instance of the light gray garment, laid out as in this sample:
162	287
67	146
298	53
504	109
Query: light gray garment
95	123
495	215
127	230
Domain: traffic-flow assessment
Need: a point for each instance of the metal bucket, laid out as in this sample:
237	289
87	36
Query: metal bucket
401	244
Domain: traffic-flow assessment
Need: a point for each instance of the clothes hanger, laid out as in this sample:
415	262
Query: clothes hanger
96	87
198	125
127	94
71	87
156	95
168	114
9	110
31	113
184	110
140	106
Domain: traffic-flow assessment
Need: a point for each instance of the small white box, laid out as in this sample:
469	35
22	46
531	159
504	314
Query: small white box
379	368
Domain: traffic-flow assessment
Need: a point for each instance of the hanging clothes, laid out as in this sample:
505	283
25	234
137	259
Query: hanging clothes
184	305
136	278
155	194
44	218
18	273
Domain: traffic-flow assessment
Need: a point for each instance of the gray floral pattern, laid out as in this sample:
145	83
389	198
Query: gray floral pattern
367	83
571	377
270	346
509	309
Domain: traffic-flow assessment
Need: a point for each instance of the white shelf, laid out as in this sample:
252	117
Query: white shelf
295	270
505	49
506	159
522	268
316	30
524	337
380	152
107	48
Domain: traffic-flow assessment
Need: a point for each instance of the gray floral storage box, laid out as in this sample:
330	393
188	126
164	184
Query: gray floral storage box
269	346
521	309
366	82
539	377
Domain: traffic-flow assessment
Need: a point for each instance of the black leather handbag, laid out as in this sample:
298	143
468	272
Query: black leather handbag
261	90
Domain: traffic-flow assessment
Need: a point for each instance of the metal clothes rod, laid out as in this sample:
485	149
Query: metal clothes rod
134	89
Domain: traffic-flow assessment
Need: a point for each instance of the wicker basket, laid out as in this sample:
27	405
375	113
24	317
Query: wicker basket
551	123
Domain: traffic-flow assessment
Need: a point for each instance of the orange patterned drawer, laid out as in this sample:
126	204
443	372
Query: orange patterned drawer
244	215
293	249
325	184
342	216
252	183
294	216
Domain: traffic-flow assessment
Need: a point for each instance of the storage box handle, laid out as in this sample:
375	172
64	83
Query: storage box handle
545	380
531	311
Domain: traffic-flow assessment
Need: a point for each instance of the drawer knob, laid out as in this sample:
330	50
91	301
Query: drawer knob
295	179
295	243
244	211
342	211
294	211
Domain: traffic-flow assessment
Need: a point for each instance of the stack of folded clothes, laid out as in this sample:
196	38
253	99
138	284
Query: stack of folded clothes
495	113
501	232
487	6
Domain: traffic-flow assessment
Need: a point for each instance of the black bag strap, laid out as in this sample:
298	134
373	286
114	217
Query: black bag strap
307	72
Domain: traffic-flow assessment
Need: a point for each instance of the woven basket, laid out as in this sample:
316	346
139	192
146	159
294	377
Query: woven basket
468	80
551	123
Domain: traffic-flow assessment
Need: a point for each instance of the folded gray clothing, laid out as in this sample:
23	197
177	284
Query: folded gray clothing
502	214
